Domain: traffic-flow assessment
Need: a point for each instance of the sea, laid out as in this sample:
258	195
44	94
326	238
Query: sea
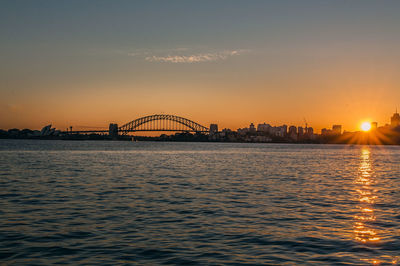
182	203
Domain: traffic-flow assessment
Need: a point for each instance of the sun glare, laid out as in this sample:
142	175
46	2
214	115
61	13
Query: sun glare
366	126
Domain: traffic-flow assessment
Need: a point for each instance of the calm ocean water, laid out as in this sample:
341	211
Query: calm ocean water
146	203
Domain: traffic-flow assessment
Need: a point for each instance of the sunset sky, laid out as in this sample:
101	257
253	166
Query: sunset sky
89	63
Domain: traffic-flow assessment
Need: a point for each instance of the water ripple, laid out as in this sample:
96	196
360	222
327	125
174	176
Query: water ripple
123	203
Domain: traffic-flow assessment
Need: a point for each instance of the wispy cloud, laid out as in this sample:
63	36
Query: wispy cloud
194	58
184	55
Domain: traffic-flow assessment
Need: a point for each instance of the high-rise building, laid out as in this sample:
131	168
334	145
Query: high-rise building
292	130
284	129
337	129
374	125
252	128
263	127
300	131
395	120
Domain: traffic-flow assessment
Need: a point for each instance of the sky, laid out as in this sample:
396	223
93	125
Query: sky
89	63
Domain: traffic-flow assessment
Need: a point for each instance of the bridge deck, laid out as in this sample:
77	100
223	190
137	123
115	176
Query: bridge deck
152	130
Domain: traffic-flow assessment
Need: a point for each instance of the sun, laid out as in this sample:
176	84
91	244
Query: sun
366	126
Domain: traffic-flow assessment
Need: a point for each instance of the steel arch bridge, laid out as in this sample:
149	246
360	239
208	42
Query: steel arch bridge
162	123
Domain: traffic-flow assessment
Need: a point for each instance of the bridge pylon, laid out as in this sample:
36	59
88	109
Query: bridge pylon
113	131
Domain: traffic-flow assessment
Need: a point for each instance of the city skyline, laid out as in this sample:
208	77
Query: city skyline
364	125
187	132
156	123
230	63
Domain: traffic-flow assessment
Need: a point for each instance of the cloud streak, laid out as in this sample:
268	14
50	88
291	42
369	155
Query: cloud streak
193	58
184	55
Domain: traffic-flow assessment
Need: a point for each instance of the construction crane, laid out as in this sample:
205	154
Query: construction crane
305	122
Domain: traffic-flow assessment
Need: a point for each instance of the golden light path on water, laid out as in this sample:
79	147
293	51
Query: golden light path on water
364	230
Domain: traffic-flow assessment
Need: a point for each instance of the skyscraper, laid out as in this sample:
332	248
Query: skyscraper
395	120
252	128
300	131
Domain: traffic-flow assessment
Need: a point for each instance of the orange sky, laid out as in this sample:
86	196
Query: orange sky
330	63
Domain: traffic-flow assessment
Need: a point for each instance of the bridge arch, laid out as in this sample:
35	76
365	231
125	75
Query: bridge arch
162	123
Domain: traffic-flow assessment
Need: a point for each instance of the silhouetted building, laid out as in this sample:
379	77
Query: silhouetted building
48	131
213	128
300	131
395	120
337	129
113	130
242	131
325	132
45	130
292	130
263	127
374	125
284	129
252	128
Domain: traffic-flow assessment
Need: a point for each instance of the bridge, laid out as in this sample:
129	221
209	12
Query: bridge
162	123
157	122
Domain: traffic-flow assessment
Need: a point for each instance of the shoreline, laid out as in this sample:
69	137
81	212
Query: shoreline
156	139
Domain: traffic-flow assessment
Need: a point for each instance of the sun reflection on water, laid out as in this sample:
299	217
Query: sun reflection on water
364	231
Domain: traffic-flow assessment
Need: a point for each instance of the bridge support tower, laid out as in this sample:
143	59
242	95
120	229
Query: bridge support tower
113	131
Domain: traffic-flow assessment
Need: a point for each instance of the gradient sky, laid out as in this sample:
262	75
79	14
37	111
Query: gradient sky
89	63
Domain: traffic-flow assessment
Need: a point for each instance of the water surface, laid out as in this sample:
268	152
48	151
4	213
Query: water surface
146	203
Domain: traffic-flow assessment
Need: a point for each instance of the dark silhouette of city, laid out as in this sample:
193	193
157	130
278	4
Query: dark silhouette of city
176	128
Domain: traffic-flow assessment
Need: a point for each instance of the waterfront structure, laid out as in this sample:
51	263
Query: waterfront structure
252	128
48	131
293	132
179	124
213	128
263	127
113	130
300	131
281	131
337	129
325	132
395	120
162	123
262	133
183	129
284	130
243	131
